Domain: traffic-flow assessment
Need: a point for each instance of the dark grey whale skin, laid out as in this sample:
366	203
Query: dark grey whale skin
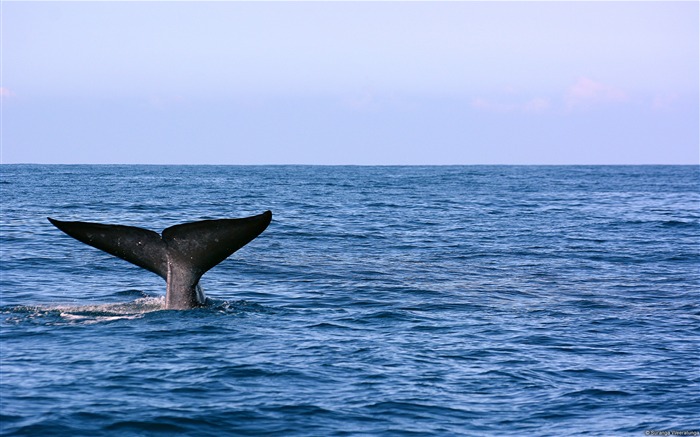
181	255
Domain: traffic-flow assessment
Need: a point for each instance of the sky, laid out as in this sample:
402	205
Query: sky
360	83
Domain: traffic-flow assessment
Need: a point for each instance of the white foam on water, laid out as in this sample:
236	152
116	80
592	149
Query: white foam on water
90	314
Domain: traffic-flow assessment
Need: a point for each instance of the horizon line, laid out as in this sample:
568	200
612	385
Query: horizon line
355	165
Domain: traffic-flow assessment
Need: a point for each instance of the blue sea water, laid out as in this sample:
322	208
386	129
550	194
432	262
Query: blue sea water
398	301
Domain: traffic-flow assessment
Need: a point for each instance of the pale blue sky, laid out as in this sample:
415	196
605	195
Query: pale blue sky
351	83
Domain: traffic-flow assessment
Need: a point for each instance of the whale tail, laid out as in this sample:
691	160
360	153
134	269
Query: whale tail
181	255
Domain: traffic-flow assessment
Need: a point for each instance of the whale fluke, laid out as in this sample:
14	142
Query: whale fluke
180	256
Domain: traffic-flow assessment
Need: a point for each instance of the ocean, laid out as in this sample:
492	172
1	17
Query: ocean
387	301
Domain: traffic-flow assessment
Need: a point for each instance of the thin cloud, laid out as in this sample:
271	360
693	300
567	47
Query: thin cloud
587	92
6	92
664	102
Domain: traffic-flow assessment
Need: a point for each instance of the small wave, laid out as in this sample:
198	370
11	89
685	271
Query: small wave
679	224
659	223
132	292
237	307
159	424
596	393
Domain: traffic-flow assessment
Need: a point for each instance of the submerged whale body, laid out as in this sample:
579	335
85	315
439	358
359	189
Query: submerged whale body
181	255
